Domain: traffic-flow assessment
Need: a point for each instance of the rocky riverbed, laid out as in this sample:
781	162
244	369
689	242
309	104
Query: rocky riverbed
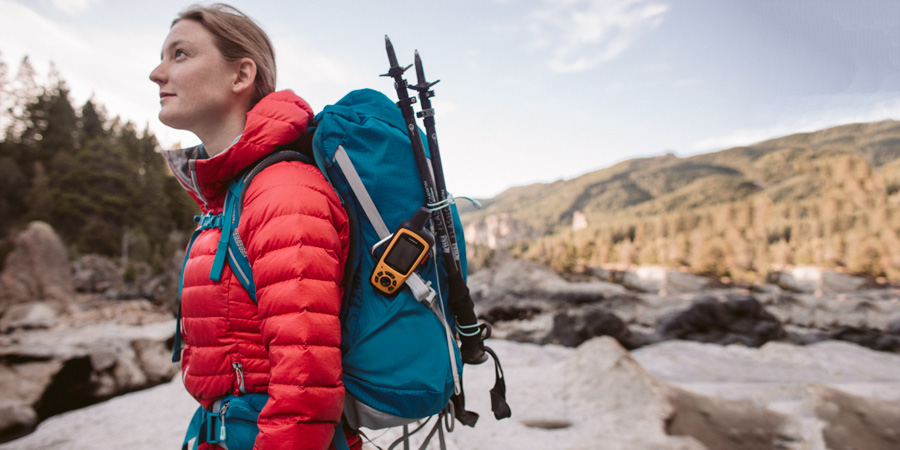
68	338
527	302
671	395
643	358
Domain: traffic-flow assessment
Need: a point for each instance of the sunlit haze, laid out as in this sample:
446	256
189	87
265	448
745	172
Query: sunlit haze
531	91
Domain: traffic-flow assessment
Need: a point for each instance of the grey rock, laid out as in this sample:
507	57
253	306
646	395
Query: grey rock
95	274
663	279
852	421
648	413
573	327
809	279
37	269
671	395
28	316
16	418
56	370
741	320
499	230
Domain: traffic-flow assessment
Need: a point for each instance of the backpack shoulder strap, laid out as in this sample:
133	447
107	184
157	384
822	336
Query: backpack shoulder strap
231	248
272	159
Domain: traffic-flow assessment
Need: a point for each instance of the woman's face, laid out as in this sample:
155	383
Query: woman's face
195	81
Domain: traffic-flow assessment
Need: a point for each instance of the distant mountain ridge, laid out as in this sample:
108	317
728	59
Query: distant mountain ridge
785	168
827	198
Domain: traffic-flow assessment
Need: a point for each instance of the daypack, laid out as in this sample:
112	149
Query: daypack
400	359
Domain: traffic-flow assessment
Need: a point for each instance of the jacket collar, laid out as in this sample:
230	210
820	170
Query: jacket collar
278	119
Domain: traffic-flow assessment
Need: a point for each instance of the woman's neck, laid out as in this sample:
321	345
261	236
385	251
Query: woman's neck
216	141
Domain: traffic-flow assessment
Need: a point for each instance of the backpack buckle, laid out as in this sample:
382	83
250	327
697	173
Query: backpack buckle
212	427
209	220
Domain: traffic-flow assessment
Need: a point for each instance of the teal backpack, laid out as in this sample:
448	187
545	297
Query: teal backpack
400	358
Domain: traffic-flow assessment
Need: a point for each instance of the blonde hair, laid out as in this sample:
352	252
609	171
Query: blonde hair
237	36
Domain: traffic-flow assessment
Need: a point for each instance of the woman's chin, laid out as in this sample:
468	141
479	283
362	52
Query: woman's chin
171	120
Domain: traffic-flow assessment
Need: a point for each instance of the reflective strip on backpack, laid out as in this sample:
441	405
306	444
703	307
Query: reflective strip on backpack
362	194
421	290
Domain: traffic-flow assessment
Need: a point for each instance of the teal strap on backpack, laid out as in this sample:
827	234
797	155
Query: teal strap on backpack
340	439
233	422
230	246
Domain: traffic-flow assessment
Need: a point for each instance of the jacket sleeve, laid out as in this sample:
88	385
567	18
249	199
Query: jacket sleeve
296	237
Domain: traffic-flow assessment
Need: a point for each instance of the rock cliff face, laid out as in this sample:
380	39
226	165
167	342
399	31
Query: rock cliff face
498	230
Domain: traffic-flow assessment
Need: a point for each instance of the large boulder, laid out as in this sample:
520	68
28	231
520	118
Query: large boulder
37	269
499	230
852	421
623	402
840	394
575	326
737	320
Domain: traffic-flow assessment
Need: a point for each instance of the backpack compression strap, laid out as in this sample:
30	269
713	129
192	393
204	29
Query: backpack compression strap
422	292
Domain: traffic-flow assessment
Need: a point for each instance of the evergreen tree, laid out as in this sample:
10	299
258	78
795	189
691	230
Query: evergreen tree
92	124
90	198
23	91
5	97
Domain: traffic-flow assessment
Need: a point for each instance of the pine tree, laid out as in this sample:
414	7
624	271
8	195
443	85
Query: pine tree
24	91
92	123
5	96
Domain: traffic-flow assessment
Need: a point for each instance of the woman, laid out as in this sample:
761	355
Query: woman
216	79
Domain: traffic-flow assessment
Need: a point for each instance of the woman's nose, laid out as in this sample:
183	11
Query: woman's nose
156	75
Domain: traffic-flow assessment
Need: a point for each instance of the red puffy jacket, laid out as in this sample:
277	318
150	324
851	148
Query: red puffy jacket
296	235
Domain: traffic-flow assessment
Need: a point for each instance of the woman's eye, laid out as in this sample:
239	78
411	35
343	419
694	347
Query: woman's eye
179	53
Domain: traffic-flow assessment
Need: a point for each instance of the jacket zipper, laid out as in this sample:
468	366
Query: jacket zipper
239	371
194	184
222	412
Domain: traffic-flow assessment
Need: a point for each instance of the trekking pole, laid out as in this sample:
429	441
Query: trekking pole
460	302
427	114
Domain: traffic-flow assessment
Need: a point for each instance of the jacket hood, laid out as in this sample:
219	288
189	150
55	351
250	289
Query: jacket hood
278	119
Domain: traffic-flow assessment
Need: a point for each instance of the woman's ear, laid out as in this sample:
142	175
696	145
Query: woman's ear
246	75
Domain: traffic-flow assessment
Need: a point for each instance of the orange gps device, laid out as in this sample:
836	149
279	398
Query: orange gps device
408	247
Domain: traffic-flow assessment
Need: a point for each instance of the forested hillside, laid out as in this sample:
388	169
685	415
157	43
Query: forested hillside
828	198
98	180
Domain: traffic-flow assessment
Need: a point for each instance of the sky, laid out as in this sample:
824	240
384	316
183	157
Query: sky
531	90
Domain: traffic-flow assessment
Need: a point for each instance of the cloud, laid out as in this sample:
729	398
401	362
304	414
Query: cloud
582	34
73	7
